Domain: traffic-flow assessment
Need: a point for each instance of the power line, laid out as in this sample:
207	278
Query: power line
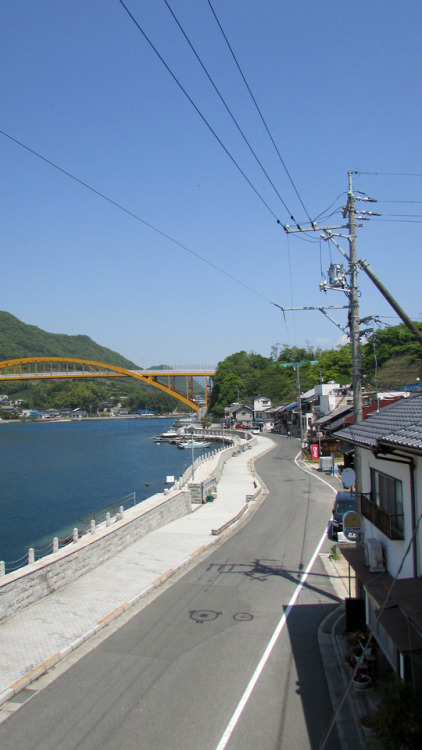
399	221
317	218
227	108
198	111
260	113
393	174
406	216
133	215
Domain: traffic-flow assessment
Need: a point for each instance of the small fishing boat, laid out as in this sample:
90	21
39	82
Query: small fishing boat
166	437
199	444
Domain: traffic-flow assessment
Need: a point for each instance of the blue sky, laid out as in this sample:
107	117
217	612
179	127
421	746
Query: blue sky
338	85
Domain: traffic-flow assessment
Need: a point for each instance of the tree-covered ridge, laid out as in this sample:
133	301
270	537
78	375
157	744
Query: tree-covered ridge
19	339
391	358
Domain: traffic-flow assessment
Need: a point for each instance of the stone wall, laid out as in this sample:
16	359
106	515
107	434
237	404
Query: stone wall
35	581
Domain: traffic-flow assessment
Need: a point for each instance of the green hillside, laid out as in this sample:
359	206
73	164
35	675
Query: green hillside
391	359
18	339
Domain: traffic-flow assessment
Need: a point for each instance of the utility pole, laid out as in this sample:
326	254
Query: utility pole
337	280
296	365
349	210
299	404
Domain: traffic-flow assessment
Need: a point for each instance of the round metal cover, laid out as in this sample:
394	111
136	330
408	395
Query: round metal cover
203	615
243	617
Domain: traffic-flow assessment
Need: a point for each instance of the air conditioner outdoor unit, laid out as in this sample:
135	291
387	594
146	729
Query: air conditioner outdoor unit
374	557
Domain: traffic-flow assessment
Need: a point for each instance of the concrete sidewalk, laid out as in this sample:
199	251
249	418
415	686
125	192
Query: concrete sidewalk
36	638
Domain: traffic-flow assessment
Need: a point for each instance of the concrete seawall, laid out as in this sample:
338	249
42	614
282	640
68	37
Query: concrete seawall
51	573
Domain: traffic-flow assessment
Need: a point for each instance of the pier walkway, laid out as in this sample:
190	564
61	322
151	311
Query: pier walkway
38	637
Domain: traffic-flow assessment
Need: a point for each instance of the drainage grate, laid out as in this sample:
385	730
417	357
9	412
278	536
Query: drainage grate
23	695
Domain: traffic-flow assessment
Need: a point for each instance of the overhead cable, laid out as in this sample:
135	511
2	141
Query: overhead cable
260	113
393	174
133	215
198	111
380	200
400	221
228	109
317	218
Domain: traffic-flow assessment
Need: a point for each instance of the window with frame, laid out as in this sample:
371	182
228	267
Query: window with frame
387	493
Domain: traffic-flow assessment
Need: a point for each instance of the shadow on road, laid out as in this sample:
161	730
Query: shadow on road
264	570
311	685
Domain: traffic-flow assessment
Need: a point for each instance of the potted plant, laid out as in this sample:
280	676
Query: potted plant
361	681
350	660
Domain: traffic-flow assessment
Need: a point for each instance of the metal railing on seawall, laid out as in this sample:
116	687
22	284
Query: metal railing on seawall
105	516
109	514
113	508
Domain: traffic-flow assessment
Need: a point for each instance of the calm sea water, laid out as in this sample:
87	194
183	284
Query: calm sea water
53	474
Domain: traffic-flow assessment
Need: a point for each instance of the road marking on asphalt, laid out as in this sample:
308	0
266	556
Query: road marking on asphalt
266	655
312	474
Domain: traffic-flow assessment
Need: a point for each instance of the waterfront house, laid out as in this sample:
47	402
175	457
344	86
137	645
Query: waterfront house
242	414
78	413
388	564
261	413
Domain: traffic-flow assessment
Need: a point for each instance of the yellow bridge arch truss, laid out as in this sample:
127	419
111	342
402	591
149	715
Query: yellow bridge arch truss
57	368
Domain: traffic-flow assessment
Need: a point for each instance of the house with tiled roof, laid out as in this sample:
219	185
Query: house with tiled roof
388	560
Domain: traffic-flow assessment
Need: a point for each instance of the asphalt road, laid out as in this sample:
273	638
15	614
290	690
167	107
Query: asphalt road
172	676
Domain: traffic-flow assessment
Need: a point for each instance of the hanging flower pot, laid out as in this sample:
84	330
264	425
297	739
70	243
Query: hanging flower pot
361	681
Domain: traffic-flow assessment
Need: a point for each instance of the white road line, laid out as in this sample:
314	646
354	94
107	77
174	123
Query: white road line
312	474
266	655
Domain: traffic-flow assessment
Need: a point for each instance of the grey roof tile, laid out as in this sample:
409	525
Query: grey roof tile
399	424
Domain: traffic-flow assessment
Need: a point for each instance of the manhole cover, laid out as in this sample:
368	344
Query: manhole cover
243	617
203	615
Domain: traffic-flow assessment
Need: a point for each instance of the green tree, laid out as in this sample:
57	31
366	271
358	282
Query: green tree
392	342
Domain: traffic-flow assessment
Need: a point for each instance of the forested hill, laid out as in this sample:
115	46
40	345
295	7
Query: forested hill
18	339
391	359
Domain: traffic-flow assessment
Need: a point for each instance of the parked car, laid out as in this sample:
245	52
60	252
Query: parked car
344	502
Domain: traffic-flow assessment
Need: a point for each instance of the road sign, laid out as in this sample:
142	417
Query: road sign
352	526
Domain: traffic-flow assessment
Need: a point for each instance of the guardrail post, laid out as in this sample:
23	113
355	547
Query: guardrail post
55	544
92	527
107	519
2	568
31	555
75	535
121	512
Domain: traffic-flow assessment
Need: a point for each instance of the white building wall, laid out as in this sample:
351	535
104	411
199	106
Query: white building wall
395	549
323	389
263	402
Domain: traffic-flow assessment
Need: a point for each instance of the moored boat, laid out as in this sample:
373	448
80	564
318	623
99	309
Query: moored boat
193	444
166	437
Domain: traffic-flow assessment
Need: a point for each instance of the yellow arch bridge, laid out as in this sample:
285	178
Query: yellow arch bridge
56	368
